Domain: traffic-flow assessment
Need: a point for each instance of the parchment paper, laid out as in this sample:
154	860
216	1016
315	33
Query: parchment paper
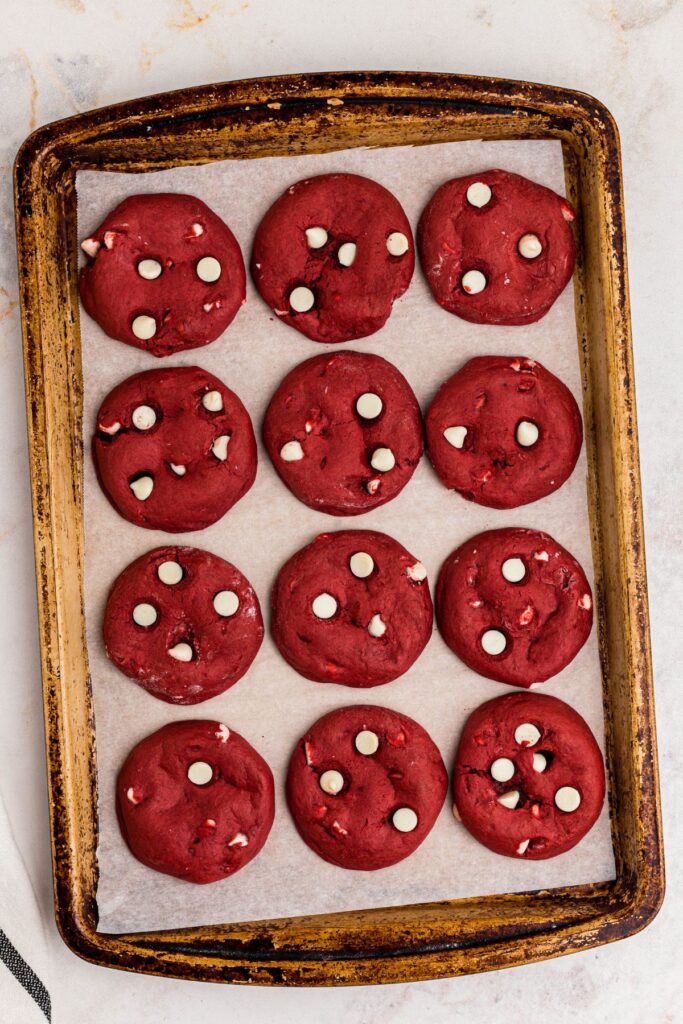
272	705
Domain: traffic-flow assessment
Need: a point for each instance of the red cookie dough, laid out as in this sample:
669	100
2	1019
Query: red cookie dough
191	603
323	449
181	432
201	830
154	257
529	779
353	608
503	431
522	627
347	242
345	802
485	235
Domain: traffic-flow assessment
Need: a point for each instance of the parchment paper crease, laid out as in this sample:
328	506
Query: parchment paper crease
272	705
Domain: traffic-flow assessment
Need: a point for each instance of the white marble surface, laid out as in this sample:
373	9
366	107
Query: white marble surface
61	56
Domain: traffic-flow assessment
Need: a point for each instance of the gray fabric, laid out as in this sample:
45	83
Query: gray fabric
25	975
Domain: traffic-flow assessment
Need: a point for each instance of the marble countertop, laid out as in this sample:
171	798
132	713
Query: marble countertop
64	56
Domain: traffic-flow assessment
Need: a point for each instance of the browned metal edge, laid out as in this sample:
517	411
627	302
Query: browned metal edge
395	944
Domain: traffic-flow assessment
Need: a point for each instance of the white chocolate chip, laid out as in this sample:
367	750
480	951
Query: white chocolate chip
331	782
493	641
527	735
239	839
200	773
208	269
316	237
291	452
513	570
478	194
416	572
509	800
455	436
540	763
144	327
361	564
132	795
523	846
502	769
142	487
90	246
567	799
210	823
220	447
181	652
109	237
196	230
372	486
347	254
527	433
324	606
301	299
170	573
530	247
369	405
213	401
473	282
149	269
541	556
113	429
178	469
144	417
366	742
340	829
585	602
144	614
404	819
397	244
226	603
376	627
222	733
383	460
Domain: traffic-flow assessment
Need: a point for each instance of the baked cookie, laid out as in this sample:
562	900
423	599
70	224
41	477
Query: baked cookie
174	449
164	274
503	431
496	248
331	255
353	608
195	800
183	623
529	779
514	605
344	432
365	786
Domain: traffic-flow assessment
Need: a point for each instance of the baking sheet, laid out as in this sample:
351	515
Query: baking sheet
272	705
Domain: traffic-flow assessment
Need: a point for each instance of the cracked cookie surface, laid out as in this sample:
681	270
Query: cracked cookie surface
164	274
353	608
514	605
344	432
183	623
365	786
529	779
195	800
503	431
331	255
174	449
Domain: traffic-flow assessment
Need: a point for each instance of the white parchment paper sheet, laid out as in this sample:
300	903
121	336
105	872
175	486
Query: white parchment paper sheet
271	706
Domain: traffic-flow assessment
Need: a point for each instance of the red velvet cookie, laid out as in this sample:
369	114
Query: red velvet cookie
331	255
164	274
183	623
365	786
174	449
353	608
529	779
514	605
503	431
344	432
195	800
496	248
